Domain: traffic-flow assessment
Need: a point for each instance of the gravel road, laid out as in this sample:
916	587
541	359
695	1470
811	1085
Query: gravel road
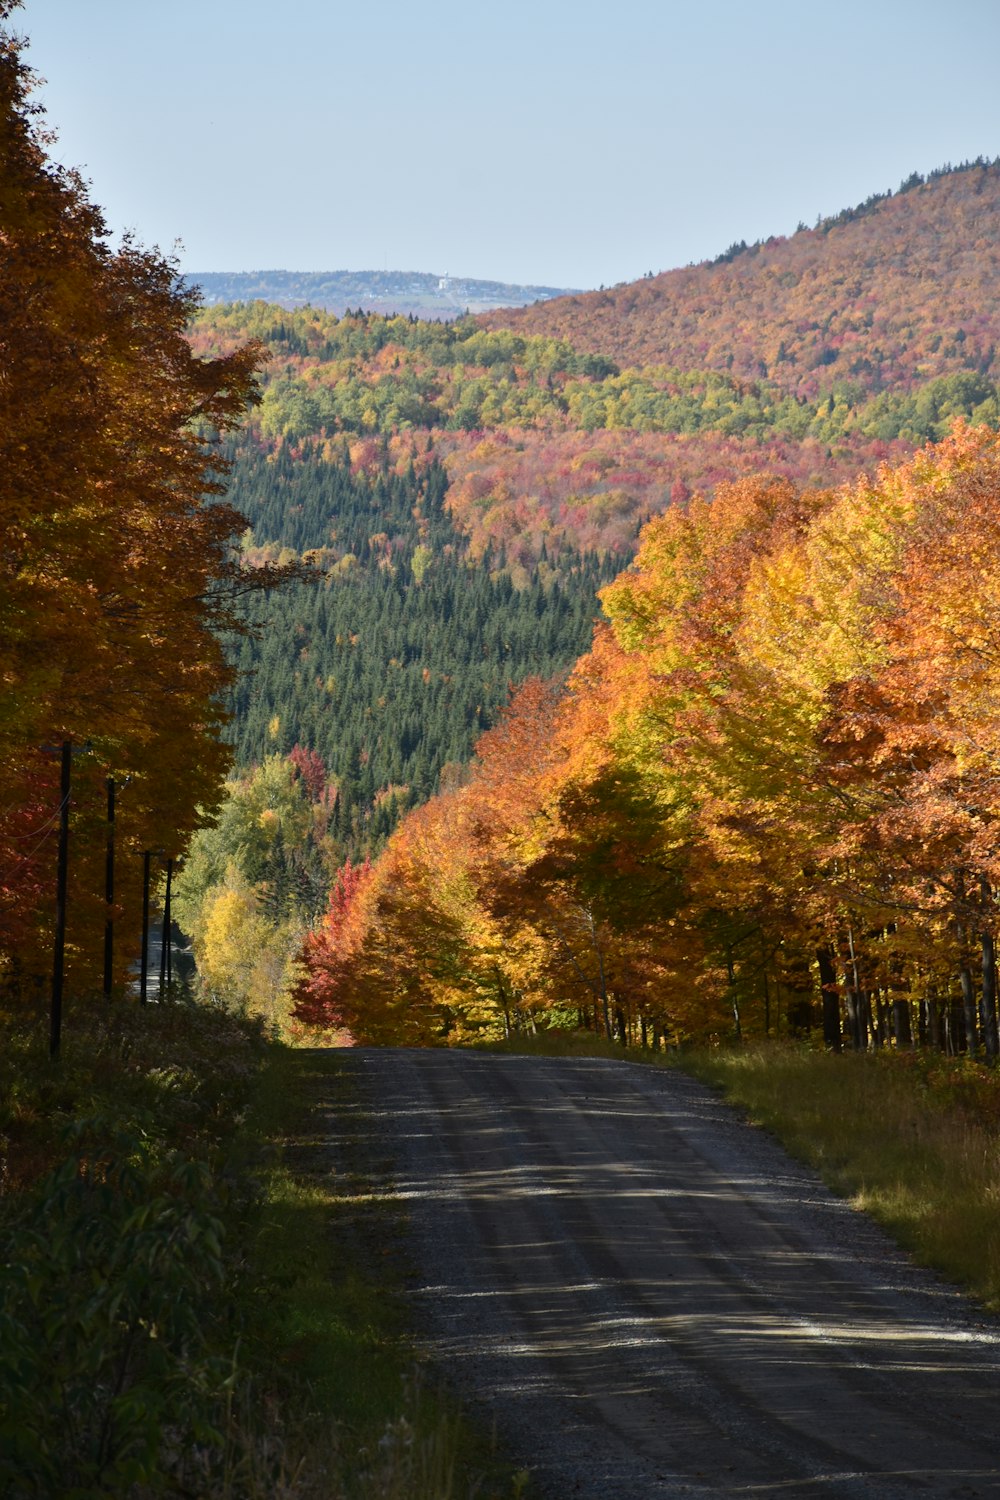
651	1300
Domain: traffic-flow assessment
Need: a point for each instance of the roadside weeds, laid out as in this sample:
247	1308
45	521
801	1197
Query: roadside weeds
911	1139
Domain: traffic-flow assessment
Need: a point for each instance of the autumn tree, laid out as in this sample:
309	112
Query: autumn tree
766	798
253	882
116	566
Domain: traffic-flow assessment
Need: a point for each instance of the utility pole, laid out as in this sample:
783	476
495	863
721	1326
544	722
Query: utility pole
55	1016
170	946
144	961
109	891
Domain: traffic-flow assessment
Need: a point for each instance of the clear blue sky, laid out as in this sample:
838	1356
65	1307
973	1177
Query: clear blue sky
555	142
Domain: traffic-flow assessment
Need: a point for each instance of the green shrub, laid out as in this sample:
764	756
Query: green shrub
112	1285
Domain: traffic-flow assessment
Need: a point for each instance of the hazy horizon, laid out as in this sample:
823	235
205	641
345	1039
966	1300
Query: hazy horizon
543	147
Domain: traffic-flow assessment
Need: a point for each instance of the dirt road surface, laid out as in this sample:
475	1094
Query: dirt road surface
651	1300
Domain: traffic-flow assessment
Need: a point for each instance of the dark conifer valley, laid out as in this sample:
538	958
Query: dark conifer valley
397	658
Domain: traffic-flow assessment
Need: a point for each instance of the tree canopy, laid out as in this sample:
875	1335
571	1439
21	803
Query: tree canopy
116	565
767	796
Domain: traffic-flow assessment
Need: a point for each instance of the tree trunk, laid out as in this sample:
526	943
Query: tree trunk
881	1020
737	1026
504	1004
902	1029
831	999
969	1010
988	1000
956	1016
857	1001
605	1002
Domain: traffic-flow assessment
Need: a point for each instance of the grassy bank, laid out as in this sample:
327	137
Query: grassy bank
127	1203
196	1298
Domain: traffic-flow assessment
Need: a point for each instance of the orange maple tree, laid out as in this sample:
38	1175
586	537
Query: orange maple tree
116	566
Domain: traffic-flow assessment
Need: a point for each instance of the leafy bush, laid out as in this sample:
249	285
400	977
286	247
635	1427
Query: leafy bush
112	1284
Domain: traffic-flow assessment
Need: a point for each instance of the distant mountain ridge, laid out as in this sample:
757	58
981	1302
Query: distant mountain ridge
421	293
903	288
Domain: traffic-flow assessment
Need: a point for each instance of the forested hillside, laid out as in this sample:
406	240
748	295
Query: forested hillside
539	439
457	494
883	296
396	658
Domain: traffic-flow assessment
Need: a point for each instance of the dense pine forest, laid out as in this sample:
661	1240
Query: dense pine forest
392	663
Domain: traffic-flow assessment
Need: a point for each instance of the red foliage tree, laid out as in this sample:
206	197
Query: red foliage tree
312	769
326	951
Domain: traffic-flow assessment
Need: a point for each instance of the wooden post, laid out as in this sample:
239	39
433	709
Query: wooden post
167	919
55	1017
165	936
144	962
109	891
